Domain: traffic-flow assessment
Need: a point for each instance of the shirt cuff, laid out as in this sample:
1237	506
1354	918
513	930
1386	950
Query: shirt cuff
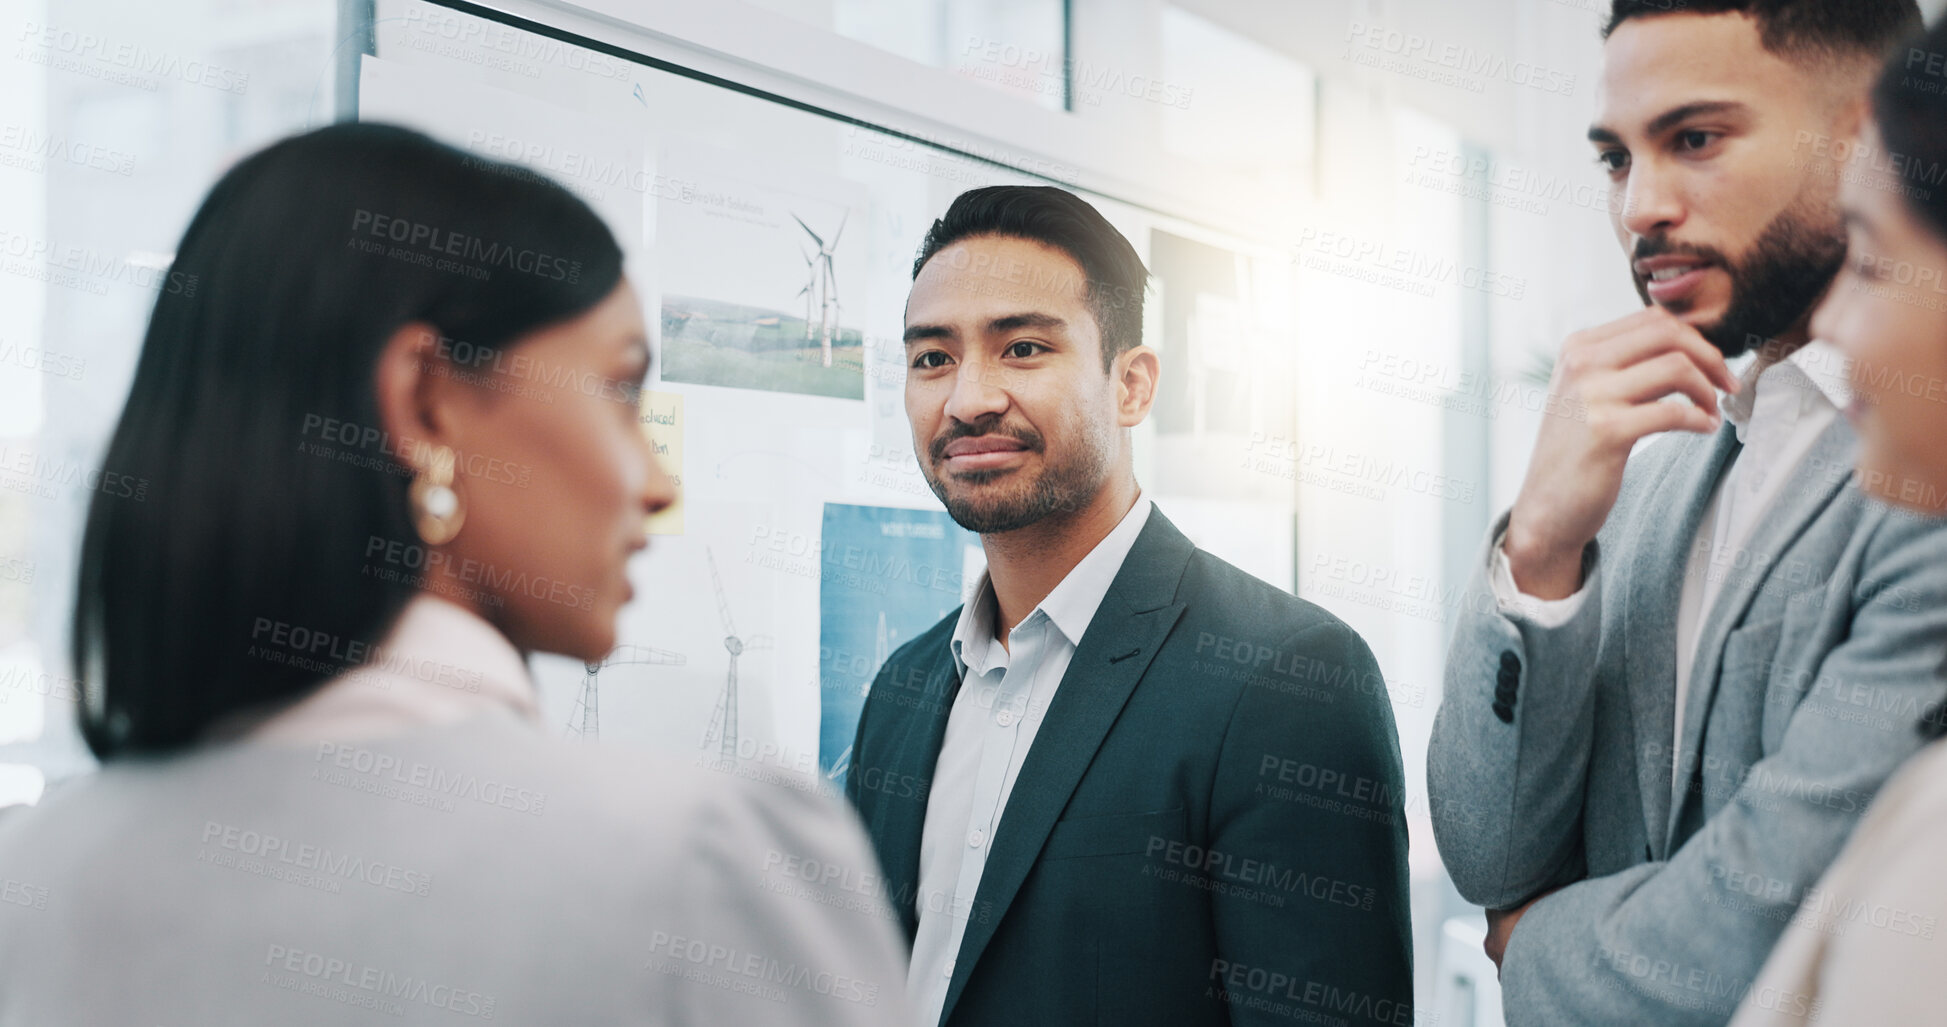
1542	613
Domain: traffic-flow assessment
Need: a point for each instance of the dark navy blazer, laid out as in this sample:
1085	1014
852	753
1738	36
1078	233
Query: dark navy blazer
1209	828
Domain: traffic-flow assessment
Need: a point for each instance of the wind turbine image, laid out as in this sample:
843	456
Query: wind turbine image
585	722
723	722
810	291
822	289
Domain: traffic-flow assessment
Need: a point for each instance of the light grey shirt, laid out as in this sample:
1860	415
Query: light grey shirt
1004	693
407	846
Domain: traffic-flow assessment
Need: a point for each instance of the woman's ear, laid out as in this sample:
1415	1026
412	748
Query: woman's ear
414	399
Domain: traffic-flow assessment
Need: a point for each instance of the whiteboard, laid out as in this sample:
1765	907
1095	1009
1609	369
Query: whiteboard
772	247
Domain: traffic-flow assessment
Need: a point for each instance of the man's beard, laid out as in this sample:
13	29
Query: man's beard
1065	486
1776	284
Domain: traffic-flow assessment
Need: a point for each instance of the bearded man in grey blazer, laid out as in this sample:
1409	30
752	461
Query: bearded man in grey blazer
1686	671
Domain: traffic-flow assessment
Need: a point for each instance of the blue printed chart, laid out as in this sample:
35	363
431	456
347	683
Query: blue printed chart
888	574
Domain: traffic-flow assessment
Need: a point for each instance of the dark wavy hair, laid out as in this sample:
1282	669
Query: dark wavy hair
1115	275
304	259
1910	108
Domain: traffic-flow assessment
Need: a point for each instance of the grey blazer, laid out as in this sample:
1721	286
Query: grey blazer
1551	759
477	873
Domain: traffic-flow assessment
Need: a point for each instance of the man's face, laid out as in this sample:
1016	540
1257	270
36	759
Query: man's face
1013	416
1729	221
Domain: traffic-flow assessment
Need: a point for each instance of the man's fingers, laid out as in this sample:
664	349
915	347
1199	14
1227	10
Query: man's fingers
1656	378
1496	941
1654	335
1495	944
1630	323
1625	425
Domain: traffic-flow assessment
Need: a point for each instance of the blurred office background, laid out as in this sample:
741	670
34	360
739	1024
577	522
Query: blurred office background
1410	174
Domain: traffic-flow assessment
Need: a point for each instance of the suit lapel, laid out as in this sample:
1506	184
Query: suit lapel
1654	589
914	753
1135	617
1809	490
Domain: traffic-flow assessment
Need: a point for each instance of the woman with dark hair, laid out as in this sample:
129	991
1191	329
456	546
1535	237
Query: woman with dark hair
1866	943
387	412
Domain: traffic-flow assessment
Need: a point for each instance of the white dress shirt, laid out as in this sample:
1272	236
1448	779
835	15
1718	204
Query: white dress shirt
1778	414
1004	693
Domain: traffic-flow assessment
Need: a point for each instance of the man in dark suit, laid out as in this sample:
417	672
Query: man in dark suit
1127	782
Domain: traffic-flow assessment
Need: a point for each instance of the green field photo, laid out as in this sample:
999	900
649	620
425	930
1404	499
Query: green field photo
708	342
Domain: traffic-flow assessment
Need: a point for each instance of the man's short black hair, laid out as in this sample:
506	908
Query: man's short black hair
1799	29
1114	275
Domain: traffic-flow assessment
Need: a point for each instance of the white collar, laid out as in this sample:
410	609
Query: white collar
440	664
1817	371
1071	605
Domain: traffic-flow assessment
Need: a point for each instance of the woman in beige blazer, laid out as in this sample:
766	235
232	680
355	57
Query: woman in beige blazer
386	419
1867	945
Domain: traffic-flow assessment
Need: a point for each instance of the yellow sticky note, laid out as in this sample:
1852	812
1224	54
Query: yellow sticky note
662	422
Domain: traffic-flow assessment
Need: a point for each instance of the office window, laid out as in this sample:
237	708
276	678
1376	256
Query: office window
115	118
1017	46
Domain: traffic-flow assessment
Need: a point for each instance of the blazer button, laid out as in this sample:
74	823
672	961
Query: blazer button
1506	684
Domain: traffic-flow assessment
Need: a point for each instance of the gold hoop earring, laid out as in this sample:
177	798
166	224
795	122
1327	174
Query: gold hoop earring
436	509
